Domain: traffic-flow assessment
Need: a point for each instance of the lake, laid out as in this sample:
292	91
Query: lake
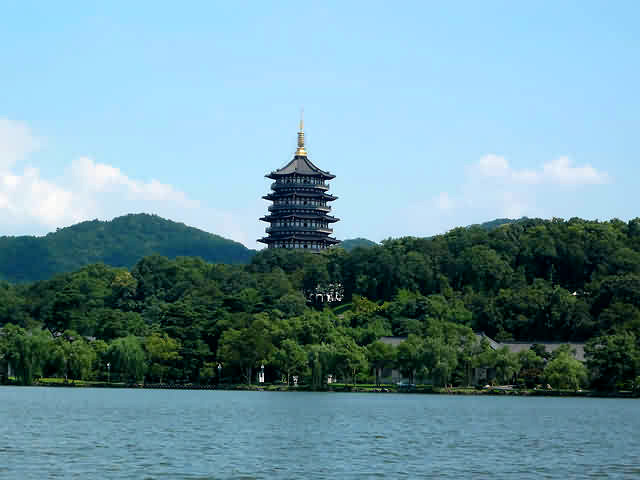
168	434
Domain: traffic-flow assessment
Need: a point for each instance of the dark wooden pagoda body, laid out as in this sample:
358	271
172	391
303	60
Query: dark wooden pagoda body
299	215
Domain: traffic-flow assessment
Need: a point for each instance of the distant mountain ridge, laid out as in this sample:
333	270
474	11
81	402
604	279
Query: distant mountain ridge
120	242
498	222
123	241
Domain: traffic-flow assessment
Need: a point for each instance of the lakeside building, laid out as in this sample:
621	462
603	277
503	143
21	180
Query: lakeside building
299	216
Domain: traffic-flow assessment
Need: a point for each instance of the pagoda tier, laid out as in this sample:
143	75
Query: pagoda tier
289	217
300	194
299	216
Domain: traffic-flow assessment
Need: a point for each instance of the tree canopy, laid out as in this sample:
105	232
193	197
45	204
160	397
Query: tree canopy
175	319
120	242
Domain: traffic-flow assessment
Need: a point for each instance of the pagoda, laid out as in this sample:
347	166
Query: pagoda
299	216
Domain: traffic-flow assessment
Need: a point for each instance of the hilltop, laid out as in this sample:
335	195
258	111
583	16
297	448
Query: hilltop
120	242
499	222
352	243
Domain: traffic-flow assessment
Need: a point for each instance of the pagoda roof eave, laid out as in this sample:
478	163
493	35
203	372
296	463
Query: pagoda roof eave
301	237
322	195
275	175
300	165
268	240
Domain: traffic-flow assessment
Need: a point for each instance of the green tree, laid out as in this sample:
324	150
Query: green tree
502	360
410	356
506	365
101	358
540	351
13	307
128	358
469	347
27	351
620	317
290	358
440	358
321	359
566	372
613	360
163	352
77	358
350	358
112	323
291	304
531	366
483	269
245	348
207	373
380	355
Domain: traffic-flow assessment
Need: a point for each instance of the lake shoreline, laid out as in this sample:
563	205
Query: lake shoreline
382	389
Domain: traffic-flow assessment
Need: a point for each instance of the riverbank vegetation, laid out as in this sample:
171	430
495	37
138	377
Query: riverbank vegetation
175	321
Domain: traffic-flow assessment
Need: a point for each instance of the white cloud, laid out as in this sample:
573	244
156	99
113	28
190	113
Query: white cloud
444	201
16	142
87	189
92	178
493	166
557	171
493	188
560	170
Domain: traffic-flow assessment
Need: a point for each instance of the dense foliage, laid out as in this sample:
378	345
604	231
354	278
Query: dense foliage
176	320
498	222
120	242
350	244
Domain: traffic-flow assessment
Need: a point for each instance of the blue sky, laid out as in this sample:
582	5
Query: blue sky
431	116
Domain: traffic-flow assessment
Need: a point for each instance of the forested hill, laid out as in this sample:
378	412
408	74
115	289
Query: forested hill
120	242
530	280
350	244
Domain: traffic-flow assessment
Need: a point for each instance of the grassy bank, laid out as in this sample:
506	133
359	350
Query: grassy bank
339	387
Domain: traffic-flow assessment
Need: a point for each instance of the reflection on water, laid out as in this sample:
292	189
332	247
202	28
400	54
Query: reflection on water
103	433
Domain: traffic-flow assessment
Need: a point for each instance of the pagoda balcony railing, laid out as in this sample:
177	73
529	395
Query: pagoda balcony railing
299	229
308	249
270	218
282	206
279	186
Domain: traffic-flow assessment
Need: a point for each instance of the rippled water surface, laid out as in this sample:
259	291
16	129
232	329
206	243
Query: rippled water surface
104	433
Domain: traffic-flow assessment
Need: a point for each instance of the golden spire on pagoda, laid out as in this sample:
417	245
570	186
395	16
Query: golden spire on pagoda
301	151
